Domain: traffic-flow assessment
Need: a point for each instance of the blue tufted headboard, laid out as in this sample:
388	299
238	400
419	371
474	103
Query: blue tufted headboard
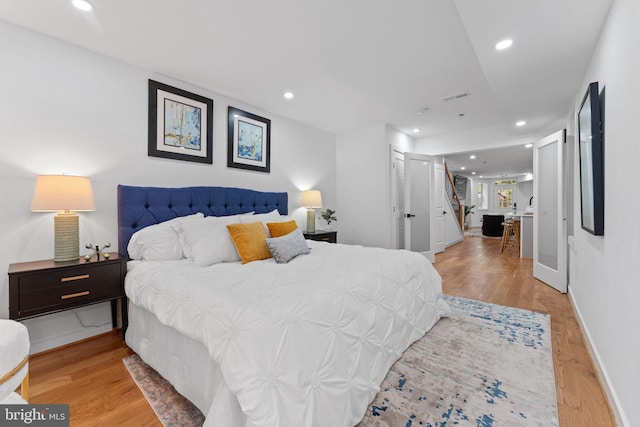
139	207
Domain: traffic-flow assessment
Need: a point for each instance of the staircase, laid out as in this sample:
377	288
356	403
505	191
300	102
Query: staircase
454	199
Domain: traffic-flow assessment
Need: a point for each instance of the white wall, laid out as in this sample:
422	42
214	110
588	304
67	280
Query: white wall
65	109
363	159
363	193
525	192
606	287
399	140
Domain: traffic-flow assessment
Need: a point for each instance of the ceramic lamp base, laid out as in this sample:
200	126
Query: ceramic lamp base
311	221
66	237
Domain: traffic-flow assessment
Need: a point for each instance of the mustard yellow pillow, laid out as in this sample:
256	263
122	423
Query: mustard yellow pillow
249	240
279	229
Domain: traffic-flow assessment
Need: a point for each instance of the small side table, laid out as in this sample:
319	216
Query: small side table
322	236
43	287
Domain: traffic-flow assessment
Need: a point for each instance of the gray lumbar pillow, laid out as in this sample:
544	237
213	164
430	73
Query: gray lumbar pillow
287	247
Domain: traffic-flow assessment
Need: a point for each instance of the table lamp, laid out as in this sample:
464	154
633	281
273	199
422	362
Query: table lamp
65	194
311	199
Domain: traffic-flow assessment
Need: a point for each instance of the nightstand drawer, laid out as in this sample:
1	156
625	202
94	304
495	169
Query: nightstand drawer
39	292
43	287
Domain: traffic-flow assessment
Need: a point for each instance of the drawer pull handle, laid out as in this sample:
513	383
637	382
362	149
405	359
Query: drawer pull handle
72	278
77	294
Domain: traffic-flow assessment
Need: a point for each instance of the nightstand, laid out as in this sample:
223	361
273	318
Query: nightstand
43	287
322	236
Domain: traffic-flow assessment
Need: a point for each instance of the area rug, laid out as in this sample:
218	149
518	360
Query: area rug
170	406
477	232
484	365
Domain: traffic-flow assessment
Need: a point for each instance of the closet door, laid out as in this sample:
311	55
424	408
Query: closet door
549	220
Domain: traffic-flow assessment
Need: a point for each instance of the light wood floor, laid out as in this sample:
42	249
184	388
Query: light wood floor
91	377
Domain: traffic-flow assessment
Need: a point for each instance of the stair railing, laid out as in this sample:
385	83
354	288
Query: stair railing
456	197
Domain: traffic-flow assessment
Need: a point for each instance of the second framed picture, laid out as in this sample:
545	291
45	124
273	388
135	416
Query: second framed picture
249	141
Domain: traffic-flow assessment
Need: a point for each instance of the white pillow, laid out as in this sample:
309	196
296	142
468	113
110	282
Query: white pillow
159	242
273	216
207	240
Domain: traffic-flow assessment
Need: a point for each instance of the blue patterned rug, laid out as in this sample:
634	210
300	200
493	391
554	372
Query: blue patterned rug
485	365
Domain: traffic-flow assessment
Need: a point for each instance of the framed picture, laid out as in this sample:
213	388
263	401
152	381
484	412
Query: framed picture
180	124
590	131
249	141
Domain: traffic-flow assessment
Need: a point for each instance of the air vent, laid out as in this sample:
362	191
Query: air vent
454	97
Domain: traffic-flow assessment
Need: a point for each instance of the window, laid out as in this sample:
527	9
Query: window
505	194
505	198
481	202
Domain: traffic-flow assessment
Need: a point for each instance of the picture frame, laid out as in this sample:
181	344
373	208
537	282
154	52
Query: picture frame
591	153
180	124
249	141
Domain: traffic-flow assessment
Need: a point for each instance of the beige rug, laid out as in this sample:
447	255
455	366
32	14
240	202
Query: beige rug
486	365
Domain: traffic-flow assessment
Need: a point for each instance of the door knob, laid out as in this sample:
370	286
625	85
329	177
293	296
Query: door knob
409	215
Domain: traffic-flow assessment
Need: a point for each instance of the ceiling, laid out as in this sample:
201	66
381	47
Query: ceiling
353	64
498	162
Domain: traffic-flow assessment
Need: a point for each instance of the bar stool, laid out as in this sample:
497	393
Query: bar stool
14	362
510	234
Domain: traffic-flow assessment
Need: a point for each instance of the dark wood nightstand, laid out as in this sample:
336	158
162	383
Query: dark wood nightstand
322	236
44	287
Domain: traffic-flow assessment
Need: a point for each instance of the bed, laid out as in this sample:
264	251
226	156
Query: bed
305	342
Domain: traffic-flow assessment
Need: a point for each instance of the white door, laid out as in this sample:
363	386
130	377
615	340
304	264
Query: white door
549	222
417	203
438	208
397	208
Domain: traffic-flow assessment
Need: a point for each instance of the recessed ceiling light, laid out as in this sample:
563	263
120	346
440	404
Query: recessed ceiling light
528	146
521	123
473	173
288	95
473	156
462	168
481	176
83	5
503	44
416	130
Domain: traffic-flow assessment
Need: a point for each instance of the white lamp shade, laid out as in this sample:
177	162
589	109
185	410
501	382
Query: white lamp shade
55	193
312	199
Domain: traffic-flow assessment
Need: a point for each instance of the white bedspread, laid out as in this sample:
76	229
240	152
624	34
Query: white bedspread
300	344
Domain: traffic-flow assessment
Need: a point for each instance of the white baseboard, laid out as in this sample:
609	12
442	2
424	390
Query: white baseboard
38	346
612	397
58	329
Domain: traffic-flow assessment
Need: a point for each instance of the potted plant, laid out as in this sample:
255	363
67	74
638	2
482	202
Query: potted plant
328	216
468	210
